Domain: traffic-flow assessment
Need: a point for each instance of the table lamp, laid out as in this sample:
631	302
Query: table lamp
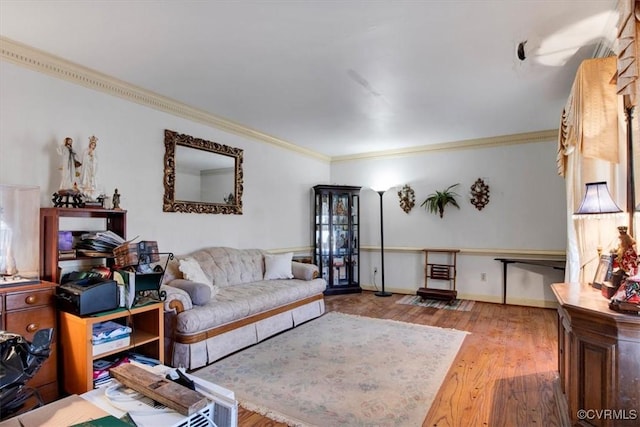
597	202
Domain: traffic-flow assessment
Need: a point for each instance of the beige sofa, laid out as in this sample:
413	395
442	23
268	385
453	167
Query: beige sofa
220	300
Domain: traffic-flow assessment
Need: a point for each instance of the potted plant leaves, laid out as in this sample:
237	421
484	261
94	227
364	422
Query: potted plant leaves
436	202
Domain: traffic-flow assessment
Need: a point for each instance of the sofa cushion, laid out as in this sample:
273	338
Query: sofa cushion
242	300
230	266
278	266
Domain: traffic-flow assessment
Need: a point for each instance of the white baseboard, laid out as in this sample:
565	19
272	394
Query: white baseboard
511	300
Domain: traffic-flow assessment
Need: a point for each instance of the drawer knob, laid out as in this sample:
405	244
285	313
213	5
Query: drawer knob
30	299
32	327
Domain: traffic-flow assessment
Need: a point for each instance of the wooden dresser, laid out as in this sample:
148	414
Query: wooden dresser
598	358
24	310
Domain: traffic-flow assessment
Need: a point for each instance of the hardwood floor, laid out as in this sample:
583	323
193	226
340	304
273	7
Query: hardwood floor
504	375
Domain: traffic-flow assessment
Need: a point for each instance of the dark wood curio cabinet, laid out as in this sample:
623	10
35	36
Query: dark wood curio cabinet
337	237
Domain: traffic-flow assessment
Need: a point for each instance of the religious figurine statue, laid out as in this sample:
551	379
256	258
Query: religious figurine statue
627	260
88	181
626	255
69	164
116	199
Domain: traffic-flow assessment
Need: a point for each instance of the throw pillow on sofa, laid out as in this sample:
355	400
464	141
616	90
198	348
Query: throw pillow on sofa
200	293
278	266
304	271
192	271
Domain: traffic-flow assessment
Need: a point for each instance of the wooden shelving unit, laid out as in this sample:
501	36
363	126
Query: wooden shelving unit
114	220
147	337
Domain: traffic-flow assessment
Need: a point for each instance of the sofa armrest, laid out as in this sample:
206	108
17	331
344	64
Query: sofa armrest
177	299
304	271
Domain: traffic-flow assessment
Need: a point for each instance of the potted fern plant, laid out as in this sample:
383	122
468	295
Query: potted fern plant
436	202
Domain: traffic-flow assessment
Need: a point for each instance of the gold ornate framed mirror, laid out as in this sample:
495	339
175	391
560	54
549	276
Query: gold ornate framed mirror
201	176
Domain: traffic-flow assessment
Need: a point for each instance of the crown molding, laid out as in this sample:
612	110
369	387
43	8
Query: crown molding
495	141
44	62
41	61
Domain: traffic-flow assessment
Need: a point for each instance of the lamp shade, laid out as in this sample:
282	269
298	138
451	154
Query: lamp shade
597	200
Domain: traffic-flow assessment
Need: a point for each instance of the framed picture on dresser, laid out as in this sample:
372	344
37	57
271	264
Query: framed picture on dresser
604	271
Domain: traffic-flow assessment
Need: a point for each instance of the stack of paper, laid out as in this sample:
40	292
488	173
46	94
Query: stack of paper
99	243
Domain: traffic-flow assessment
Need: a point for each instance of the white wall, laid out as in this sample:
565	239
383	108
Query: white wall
37	111
526	212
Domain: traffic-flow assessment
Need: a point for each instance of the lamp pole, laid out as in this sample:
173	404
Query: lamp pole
382	293
631	191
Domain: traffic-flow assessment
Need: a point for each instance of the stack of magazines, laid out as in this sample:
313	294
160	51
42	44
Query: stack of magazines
109	336
101	375
100	243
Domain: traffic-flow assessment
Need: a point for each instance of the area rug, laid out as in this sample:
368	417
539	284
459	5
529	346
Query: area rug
342	370
458	304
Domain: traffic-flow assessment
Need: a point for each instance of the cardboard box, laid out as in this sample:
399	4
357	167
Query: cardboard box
64	412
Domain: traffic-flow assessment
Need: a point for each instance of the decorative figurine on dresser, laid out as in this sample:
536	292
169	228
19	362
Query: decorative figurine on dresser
336	231
116	200
626	255
625	290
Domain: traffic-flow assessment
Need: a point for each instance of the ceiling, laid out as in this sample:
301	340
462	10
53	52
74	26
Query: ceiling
338	77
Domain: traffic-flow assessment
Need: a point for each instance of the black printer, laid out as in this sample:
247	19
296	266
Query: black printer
87	296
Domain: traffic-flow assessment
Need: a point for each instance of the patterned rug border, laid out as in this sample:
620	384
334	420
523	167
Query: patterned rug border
456	305
410	324
295	422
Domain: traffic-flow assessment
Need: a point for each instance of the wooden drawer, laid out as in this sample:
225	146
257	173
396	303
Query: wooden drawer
20	300
28	322
26	310
49	392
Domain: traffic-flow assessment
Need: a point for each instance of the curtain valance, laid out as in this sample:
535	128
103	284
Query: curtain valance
589	120
628	33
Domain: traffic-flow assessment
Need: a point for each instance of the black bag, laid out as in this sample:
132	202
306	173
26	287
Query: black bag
19	362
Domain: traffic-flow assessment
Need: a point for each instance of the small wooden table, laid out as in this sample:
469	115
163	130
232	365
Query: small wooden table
556	263
440	271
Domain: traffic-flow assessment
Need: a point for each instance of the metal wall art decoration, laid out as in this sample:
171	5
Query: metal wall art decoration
407	198
479	194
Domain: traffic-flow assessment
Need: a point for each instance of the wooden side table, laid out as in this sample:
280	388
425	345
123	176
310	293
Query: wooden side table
147	337
439	271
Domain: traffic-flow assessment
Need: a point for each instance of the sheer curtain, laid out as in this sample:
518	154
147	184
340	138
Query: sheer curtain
589	150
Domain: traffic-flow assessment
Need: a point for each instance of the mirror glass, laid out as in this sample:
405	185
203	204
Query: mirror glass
201	176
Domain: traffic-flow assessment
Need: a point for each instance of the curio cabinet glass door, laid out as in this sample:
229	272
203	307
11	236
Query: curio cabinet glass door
337	237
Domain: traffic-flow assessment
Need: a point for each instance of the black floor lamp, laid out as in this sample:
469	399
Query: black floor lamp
382	293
